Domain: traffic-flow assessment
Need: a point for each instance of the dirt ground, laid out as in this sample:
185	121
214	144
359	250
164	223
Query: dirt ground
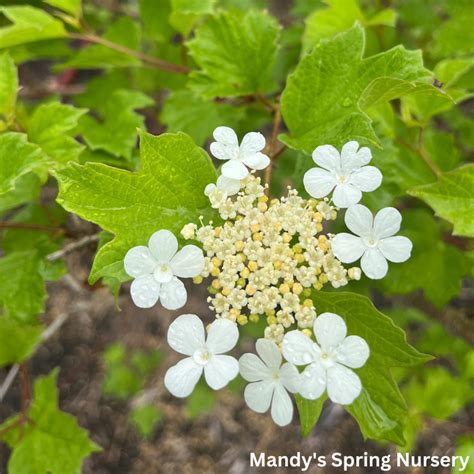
216	443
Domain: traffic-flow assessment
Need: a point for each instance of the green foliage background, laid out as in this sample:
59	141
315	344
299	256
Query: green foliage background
397	76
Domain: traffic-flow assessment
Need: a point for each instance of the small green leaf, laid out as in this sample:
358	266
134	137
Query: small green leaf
27	188
380	409
73	7
8	88
321	103
18	157
235	53
118	120
200	402
22	291
183	111
145	418
51	441
185	13
17	340
162	195
29	24
309	412
51	127
154	16
452	198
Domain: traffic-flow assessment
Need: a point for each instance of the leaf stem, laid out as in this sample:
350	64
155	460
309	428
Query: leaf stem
26	226
151	60
272	147
421	152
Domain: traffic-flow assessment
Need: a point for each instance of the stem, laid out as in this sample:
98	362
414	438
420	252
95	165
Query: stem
272	148
419	150
77	244
25	389
151	60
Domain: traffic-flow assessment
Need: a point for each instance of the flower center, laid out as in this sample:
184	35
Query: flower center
201	356
163	273
326	359
342	178
371	241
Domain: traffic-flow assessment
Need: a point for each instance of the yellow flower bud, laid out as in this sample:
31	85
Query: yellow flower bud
258	236
226	291
197	280
216	284
262	206
263	198
284	288
254	318
252	266
250	290
242	320
245	273
299	258
297	288
307	332
272	320
215	271
216	262
239	245
308	303
255	228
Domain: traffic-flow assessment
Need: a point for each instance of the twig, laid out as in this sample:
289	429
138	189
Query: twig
68	248
47	333
25	388
151	60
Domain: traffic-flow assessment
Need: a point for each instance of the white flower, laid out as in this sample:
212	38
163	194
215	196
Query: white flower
373	240
228	186
328	359
238	158
270	382
186	335
345	173
156	268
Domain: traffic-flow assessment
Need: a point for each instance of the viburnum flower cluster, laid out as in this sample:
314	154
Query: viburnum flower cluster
262	261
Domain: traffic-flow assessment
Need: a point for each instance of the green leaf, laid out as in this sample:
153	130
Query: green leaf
162	195
154	16
452	198
18	157
119	120
183	111
22	291
322	100
17	340
51	442
185	13
235	53
124	32
51	127
73	7
380	409
309	412
145	418
200	402
434	266
27	188
8	88
29	24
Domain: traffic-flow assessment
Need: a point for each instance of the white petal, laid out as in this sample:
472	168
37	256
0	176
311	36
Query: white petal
347	247
327	157
396	249
258	395
234	169
387	222
251	144
374	264
298	348
173	294
225	135
163	245
318	182
330	330
282	408
367	178
186	334
352	158
252	368
145	291
269	353
222	336
210	188
343	385
359	220
257	161
139	261
223	151
353	352
290	377
181	379
188	262
346	195
220	370
228	185
313	381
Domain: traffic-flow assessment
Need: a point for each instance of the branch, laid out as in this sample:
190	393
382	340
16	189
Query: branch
68	248
39	227
151	60
272	147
